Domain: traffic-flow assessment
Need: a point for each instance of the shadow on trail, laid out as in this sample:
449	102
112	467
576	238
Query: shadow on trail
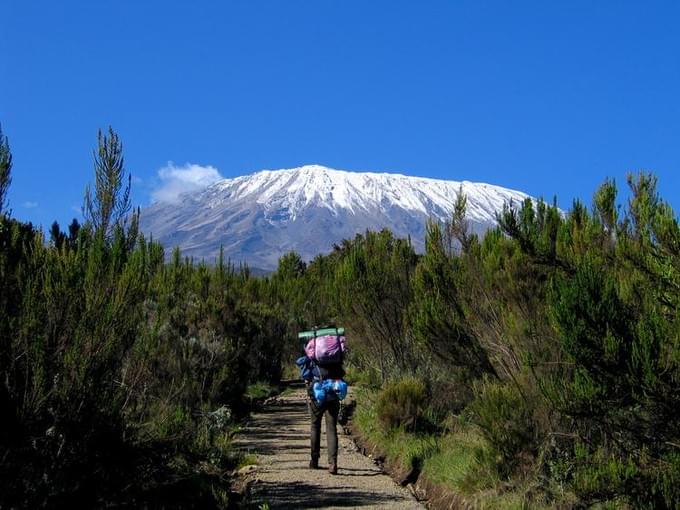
293	495
364	470
272	449
359	472
364	475
277	430
263	435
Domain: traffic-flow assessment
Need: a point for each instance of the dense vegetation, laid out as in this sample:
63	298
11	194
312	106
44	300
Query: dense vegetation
122	376
554	338
536	366
544	357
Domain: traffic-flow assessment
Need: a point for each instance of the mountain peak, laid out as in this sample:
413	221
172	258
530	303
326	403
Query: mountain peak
260	216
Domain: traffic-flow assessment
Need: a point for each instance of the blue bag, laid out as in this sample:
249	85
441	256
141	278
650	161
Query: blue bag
319	391
340	388
308	369
333	389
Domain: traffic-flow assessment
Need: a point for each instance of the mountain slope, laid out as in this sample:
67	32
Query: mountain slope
259	217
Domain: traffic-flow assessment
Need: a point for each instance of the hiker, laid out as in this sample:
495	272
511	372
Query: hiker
331	408
322	371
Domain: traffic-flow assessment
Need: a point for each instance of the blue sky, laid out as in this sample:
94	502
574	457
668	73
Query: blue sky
546	97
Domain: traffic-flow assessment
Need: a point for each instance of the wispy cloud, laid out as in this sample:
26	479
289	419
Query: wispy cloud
30	205
175	180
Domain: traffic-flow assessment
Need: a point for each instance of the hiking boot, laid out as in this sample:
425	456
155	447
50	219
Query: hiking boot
314	464
333	469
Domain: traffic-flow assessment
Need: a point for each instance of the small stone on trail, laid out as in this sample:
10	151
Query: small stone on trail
247	469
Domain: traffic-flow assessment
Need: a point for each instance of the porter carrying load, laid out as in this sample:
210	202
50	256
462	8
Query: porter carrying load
321	368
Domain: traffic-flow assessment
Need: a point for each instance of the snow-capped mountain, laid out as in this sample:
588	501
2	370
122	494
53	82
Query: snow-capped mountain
261	216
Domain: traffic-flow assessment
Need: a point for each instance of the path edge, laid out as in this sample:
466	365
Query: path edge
434	496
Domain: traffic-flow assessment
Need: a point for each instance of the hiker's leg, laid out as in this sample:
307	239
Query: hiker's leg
315	414
332	409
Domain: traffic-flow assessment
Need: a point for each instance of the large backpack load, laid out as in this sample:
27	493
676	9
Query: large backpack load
321	366
325	346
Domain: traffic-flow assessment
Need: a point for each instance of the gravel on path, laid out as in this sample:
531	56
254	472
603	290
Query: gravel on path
279	436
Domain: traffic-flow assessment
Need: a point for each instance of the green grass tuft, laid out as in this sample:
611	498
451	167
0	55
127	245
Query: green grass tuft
260	390
247	459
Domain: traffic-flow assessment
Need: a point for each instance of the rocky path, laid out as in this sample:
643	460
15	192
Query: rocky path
279	436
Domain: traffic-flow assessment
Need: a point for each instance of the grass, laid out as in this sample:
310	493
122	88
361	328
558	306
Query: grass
247	459
461	463
260	390
465	464
288	391
460	460
406	449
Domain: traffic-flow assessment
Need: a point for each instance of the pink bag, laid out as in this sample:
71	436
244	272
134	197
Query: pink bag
326	349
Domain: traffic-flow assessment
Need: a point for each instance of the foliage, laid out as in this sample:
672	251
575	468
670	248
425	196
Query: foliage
401	404
373	285
260	390
561	335
406	449
5	170
505	419
122	376
108	206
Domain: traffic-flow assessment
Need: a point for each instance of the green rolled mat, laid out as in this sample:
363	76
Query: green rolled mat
303	335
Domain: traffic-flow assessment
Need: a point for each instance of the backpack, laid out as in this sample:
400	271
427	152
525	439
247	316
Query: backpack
327	346
327	349
309	370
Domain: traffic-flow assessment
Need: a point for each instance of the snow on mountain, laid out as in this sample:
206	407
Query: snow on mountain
261	216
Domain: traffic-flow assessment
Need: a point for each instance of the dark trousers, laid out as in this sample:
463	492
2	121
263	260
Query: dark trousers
316	411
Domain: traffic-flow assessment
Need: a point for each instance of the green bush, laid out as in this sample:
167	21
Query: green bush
401	404
505	418
600	475
365	377
122	375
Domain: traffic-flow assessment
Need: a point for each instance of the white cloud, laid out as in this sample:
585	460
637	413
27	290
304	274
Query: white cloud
30	205
175	180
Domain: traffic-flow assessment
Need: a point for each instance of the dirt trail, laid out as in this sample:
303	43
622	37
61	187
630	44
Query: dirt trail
279	436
